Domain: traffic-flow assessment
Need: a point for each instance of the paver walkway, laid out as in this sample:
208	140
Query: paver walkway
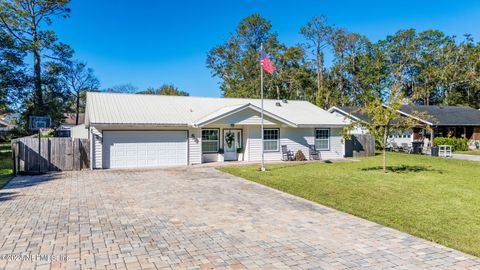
192	218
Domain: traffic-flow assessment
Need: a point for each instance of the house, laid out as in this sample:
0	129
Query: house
446	121
69	121
435	121
7	123
350	114
4	126
132	130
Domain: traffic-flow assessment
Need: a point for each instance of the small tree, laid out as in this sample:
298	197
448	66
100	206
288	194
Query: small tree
384	119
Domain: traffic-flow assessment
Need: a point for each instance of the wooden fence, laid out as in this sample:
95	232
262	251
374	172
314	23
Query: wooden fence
56	154
360	145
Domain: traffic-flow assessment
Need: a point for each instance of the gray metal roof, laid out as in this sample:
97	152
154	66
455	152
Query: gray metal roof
447	115
435	115
353	111
137	109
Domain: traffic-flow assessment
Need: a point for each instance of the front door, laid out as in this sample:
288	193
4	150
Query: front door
232	140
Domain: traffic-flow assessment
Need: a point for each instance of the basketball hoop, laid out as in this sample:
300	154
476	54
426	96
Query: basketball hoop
38	122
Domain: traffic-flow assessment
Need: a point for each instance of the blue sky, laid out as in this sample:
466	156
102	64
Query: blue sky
148	43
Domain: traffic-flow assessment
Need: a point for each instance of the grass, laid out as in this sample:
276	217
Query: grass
433	198
471	152
6	172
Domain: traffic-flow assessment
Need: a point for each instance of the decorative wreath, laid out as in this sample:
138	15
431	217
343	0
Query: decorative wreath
229	138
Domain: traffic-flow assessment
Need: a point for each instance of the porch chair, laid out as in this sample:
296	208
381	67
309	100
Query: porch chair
313	154
395	147
287	155
406	148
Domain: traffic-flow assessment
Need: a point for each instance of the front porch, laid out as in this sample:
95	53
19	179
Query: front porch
244	142
236	135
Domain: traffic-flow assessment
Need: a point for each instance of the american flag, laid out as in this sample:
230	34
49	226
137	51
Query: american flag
266	64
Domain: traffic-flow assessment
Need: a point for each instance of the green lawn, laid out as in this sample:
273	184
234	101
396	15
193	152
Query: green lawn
5	163
472	152
433	198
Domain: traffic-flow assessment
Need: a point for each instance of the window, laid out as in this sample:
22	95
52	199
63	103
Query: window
322	139
210	140
271	139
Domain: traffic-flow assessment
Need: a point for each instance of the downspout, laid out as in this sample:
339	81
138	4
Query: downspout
90	137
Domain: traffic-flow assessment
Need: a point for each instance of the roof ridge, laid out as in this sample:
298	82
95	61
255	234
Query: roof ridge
193	97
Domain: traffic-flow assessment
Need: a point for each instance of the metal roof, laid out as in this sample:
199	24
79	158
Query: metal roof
138	109
446	115
351	111
435	115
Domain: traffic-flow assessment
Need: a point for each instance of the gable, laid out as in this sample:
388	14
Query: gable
245	117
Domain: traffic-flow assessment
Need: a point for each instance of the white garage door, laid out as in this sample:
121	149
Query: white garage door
133	149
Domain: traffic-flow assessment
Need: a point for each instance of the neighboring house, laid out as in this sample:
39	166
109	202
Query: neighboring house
442	121
447	121
353	113
69	122
4	126
131	130
7	123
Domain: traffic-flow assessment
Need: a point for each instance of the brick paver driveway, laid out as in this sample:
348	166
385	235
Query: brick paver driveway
192	218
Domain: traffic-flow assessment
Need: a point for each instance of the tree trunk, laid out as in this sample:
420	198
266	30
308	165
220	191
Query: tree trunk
37	79
320	76
319	70
385	150
77	108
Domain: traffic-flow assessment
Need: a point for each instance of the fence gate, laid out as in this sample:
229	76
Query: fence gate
56	154
360	145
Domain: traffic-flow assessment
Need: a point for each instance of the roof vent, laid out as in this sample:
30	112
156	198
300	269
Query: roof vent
285	101
278	104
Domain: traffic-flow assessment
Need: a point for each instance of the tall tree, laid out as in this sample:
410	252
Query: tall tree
402	51
430	44
236	62
78	78
319	36
13	76
26	21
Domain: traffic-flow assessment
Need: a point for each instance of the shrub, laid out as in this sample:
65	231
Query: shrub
458	144
299	156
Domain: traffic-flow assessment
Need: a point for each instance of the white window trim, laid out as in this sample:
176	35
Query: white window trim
217	140
328	139
269	140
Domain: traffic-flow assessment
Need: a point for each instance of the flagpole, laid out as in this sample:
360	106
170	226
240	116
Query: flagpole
261	112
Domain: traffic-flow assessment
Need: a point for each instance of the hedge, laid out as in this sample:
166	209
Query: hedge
458	144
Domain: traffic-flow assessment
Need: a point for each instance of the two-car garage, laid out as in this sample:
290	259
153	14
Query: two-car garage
134	149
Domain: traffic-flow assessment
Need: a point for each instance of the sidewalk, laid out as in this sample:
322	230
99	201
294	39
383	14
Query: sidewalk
466	157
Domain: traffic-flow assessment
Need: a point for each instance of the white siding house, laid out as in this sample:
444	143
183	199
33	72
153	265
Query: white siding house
131	130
